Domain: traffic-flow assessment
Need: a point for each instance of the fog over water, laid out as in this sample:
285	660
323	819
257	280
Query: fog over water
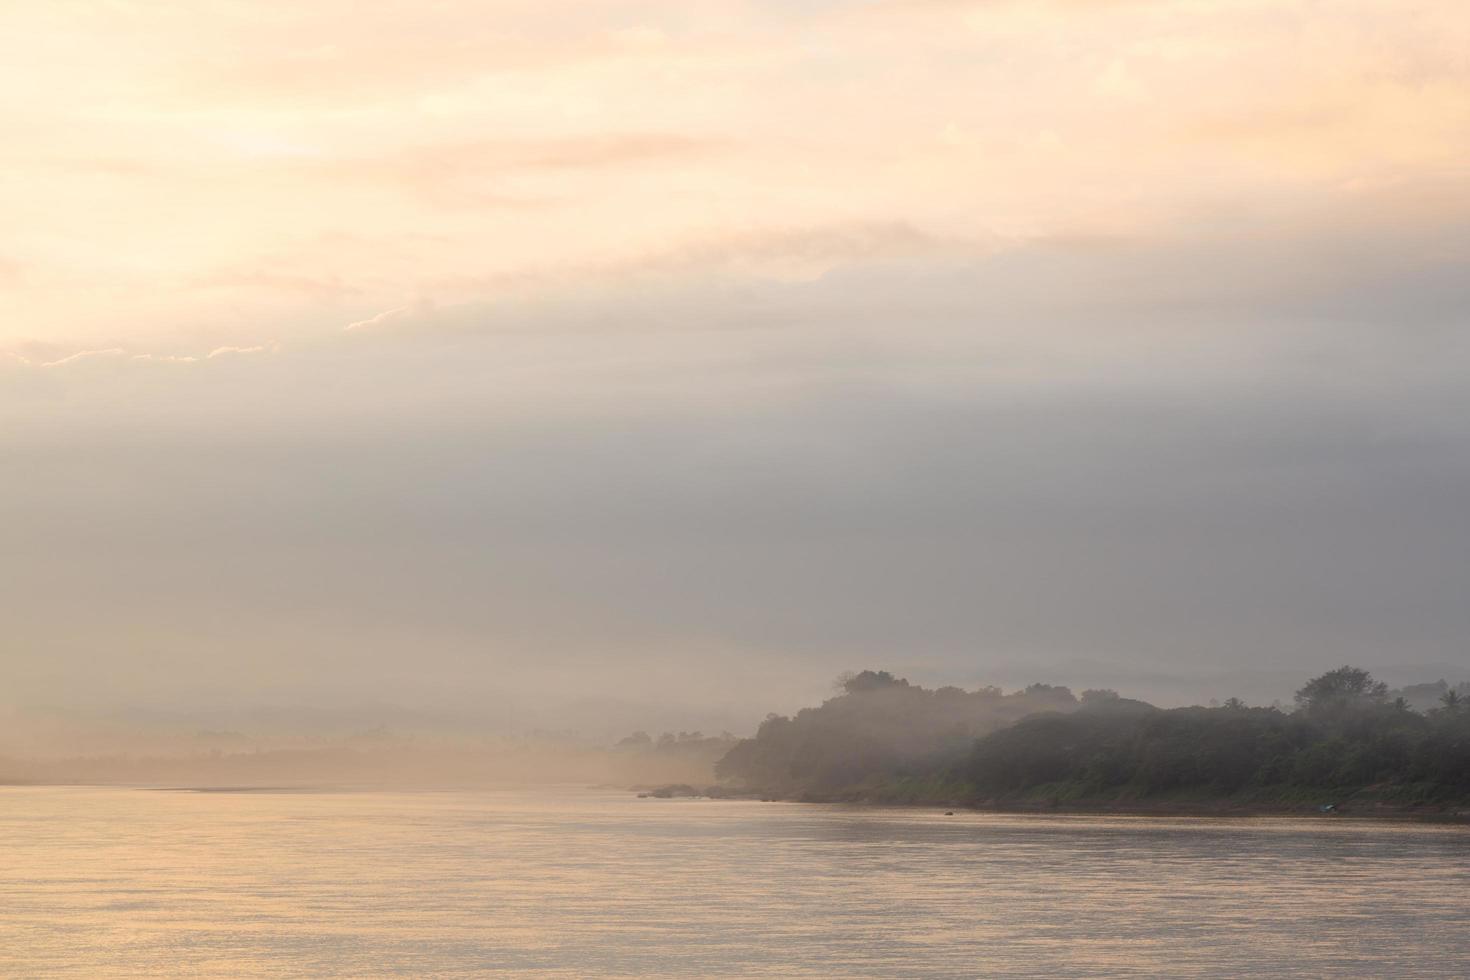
705	503
462	463
646	365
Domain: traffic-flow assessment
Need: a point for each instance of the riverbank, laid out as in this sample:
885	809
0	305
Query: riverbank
1459	814
1329	808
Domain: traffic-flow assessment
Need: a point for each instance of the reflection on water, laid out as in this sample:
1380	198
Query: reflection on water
117	882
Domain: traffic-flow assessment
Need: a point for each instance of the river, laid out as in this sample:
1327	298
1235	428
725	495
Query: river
103	882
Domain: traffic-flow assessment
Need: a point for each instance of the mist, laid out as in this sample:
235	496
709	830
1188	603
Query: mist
683	503
734	487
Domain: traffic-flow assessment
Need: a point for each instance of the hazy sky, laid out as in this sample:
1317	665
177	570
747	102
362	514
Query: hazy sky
360	351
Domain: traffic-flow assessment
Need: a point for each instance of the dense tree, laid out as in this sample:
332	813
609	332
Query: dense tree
1223	751
884	738
1343	688
880	729
868	680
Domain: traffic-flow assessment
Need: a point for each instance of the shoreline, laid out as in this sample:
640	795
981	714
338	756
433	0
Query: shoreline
1413	814
1453	813
1458	813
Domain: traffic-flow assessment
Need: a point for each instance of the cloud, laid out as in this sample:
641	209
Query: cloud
544	140
145	357
317	287
995	333
84	355
229	351
456	174
167	358
387	318
805	253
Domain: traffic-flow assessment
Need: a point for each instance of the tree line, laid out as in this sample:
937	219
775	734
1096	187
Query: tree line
882	738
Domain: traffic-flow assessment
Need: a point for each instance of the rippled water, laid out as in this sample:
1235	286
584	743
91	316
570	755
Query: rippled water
119	882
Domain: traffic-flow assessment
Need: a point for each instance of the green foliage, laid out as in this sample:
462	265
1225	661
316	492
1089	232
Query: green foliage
1225	751
879	731
1339	690
1343	738
887	739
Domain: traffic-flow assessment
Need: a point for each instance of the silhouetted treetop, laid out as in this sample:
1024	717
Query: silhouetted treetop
1345	687
880	726
869	680
883	738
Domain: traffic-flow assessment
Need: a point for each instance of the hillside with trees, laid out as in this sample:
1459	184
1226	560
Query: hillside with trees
883	739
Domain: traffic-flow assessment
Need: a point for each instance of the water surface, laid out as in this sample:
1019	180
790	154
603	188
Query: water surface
576	883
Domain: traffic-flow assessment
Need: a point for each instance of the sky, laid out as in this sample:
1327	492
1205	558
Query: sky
619	355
